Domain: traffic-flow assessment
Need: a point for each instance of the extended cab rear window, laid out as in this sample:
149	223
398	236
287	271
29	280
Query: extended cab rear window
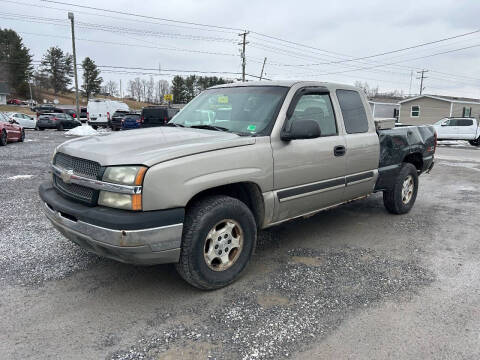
353	111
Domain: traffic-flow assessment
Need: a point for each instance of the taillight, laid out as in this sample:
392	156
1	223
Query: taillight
108	116
142	119
88	116
74	115
165	120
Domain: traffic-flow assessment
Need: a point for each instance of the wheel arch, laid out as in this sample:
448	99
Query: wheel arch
415	159
247	192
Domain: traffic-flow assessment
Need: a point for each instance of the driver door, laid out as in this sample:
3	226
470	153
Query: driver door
309	174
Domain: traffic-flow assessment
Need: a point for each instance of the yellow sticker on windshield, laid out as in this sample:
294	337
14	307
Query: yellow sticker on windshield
222	99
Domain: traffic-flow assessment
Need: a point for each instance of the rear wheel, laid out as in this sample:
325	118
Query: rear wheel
41	128
95	127
475	142
218	241
22	136
3	138
401	197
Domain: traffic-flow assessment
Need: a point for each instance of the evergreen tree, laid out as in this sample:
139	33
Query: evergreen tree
178	90
58	68
15	62
92	82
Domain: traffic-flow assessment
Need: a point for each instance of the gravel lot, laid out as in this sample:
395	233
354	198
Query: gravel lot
352	282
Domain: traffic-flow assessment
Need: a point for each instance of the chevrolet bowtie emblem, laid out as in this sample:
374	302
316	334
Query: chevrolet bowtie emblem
66	176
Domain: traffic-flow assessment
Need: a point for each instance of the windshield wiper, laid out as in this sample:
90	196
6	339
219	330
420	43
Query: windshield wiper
210	127
173	124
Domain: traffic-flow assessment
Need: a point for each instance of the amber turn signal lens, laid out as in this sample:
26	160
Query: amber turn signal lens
137	202
140	175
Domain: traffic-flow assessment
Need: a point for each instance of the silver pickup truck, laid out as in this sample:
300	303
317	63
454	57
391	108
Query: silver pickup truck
237	159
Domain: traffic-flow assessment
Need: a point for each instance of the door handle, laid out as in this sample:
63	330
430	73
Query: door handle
339	150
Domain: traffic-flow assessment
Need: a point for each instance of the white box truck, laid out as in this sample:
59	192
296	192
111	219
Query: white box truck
100	111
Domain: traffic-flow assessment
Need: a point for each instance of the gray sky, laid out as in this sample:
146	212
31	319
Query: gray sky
343	29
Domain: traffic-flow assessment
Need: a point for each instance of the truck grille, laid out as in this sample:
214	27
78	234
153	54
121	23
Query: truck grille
74	191
82	167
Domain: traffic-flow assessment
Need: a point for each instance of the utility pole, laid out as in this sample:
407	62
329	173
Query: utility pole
410	87
243	43
121	95
70	16
263	67
422	77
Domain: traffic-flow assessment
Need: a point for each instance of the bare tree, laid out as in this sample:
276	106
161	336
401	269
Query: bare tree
161	89
150	88
111	87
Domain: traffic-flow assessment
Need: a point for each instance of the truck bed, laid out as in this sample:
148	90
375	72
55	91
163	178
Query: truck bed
396	144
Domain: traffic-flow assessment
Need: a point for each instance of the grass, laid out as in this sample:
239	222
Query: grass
69	99
16	108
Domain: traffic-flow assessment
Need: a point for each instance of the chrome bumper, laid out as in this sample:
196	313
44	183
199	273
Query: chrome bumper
143	247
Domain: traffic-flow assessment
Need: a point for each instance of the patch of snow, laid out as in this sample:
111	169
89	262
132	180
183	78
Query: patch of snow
17	177
84	130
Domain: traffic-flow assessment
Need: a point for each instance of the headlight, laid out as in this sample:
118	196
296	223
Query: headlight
120	201
125	175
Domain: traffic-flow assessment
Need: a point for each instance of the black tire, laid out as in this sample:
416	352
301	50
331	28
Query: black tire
95	127
3	138
22	137
199	220
475	142
60	127
41	129
393	199
36	128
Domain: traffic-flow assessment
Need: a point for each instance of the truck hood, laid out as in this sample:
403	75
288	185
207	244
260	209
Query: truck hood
150	146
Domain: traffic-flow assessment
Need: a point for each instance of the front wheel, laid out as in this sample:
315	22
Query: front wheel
401	197
3	138
22	136
475	142
218	240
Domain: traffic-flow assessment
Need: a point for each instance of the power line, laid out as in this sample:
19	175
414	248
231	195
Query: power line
141	16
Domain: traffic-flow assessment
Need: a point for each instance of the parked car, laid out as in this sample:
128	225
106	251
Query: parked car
131	121
25	121
116	120
197	195
14	102
83	114
451	128
10	130
59	121
152	116
99	111
44	108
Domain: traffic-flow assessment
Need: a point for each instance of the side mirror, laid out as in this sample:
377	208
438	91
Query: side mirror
302	129
444	124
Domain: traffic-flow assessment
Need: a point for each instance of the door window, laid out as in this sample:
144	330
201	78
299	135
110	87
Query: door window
353	111
316	107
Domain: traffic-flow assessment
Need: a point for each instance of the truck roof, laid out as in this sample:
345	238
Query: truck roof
285	83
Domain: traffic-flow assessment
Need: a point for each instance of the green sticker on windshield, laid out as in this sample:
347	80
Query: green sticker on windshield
251	127
222	99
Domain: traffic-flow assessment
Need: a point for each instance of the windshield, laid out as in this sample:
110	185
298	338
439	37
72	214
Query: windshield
248	110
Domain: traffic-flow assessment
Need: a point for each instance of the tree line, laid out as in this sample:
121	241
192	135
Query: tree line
55	72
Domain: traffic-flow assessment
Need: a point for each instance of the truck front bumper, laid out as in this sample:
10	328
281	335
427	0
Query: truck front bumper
142	238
